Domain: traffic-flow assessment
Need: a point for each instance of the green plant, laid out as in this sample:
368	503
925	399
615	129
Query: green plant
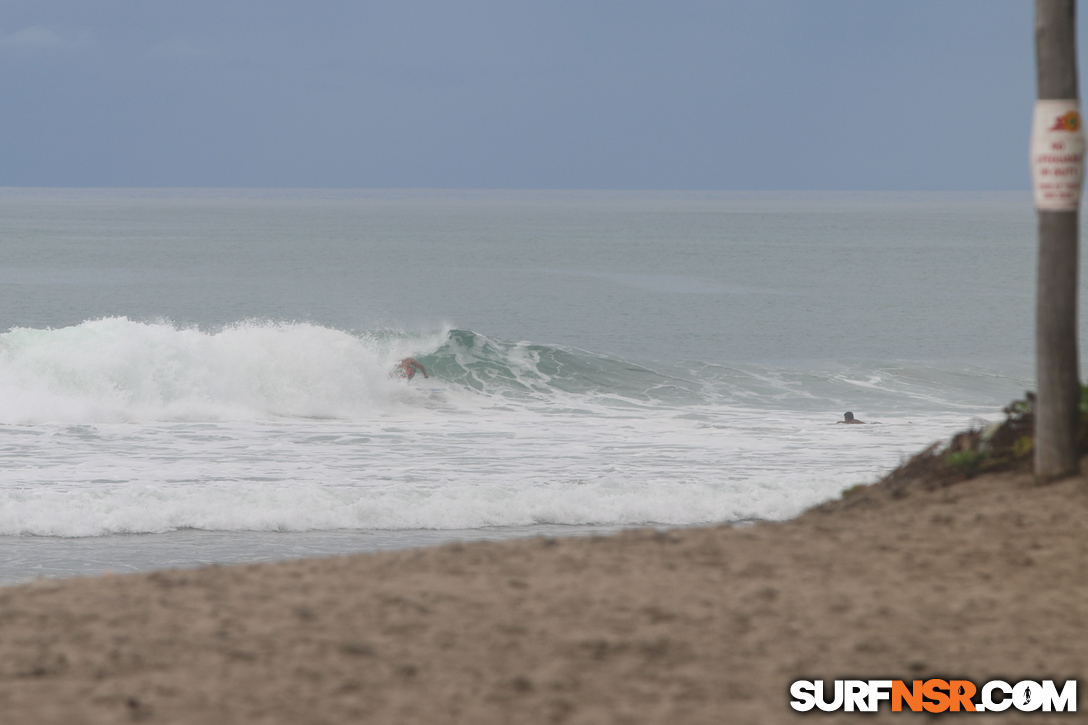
1023	446
965	461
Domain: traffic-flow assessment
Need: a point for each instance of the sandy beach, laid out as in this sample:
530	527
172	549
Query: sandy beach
982	579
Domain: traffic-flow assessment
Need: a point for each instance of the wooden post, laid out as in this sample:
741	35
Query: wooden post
1057	407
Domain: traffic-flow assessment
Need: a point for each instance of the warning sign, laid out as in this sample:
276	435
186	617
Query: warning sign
1057	155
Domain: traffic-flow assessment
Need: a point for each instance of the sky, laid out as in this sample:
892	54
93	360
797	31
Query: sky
511	94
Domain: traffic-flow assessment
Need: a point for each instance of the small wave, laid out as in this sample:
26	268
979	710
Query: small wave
533	371
529	370
140	509
120	370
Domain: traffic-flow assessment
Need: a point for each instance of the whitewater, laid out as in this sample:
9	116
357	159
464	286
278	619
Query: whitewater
190	376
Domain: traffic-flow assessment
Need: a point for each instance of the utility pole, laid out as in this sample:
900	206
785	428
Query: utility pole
1057	161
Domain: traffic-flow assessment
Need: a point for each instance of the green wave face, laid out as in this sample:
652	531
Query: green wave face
532	371
528	370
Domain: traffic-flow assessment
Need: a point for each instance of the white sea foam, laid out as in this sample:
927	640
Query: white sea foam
115	369
439	468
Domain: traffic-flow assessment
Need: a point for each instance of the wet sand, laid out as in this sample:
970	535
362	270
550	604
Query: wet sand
984	579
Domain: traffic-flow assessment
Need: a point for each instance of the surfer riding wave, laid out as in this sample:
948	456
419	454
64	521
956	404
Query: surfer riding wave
407	367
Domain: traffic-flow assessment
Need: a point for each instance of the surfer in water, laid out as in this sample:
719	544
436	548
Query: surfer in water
848	417
407	367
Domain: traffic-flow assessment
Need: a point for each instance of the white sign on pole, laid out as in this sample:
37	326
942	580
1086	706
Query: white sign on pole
1057	155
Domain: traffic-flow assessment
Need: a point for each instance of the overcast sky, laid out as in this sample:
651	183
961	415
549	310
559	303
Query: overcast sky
632	94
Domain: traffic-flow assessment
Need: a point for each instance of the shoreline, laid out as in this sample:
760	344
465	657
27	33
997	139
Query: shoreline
980	579
27	558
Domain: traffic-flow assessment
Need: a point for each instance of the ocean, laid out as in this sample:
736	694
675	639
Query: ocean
200	376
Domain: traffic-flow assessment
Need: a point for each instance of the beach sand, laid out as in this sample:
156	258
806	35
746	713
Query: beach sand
983	579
